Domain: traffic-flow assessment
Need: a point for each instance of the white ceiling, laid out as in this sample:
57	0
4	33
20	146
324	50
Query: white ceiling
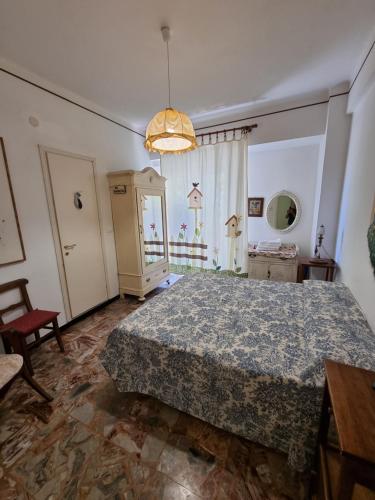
224	53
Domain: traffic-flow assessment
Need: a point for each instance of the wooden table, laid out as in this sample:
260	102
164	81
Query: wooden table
305	263
350	398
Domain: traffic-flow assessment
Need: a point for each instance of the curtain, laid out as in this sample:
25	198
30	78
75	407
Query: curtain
206	195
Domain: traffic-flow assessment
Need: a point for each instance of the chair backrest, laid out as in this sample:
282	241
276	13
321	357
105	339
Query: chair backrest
24	302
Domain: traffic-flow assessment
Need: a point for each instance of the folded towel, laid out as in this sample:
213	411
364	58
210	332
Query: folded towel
270	245
270	242
267	249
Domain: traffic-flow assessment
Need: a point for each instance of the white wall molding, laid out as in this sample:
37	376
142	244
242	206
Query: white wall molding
253	109
29	78
363	81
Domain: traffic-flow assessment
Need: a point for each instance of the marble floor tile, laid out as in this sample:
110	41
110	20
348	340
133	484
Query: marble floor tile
18	396
111	473
10	489
263	470
185	464
161	487
92	442
11	422
49	467
212	440
16	444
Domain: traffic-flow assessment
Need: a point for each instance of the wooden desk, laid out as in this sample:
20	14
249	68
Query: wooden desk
350	398
305	263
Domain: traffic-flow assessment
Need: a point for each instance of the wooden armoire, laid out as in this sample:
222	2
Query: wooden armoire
140	228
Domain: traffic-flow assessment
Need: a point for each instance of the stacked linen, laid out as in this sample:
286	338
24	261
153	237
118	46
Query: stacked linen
269	245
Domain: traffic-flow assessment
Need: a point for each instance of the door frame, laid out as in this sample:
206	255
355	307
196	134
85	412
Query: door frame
43	152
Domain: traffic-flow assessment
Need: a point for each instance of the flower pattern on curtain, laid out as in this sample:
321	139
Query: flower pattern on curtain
206	196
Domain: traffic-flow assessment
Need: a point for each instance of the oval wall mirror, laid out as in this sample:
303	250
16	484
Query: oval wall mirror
283	211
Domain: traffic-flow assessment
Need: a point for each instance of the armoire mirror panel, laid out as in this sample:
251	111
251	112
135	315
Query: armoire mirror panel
153	228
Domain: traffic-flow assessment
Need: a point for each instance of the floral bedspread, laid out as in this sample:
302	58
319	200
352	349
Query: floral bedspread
244	355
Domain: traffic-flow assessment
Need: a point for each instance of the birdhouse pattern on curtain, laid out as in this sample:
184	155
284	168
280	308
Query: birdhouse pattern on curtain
193	252
190	253
233	232
195	197
232	224
206	198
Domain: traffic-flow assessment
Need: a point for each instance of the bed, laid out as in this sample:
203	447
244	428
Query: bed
243	355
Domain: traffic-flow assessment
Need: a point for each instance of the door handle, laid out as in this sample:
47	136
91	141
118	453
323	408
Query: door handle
70	247
269	274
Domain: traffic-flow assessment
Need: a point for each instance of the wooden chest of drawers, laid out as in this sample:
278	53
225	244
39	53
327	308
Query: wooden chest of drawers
272	268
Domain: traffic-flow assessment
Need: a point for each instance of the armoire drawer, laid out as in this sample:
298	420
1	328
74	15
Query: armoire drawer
156	276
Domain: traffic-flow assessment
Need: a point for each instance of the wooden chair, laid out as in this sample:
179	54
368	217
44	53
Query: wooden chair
10	366
15	332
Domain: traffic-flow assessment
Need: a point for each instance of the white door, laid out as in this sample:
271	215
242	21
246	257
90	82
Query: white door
75	204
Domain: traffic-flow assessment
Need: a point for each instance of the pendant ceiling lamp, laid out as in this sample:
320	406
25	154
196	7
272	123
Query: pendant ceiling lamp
170	131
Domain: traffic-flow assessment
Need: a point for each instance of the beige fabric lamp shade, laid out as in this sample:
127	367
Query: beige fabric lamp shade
170	131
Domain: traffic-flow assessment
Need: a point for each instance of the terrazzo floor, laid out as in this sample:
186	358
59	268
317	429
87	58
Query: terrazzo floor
93	442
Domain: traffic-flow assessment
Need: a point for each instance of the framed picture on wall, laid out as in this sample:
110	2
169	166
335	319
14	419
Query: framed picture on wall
11	245
255	207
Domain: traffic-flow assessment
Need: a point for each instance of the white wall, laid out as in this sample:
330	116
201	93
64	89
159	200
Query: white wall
291	166
297	123
66	127
333	170
357	203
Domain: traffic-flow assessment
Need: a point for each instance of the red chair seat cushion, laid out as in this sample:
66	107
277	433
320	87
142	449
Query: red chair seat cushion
31	321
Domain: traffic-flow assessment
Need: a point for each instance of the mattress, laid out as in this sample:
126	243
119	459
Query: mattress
243	355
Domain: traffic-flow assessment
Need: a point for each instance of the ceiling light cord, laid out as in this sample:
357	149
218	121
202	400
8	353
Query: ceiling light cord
169	77
170	131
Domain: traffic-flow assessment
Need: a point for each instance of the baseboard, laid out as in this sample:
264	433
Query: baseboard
88	313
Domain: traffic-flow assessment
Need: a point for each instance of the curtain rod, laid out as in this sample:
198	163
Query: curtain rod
244	130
